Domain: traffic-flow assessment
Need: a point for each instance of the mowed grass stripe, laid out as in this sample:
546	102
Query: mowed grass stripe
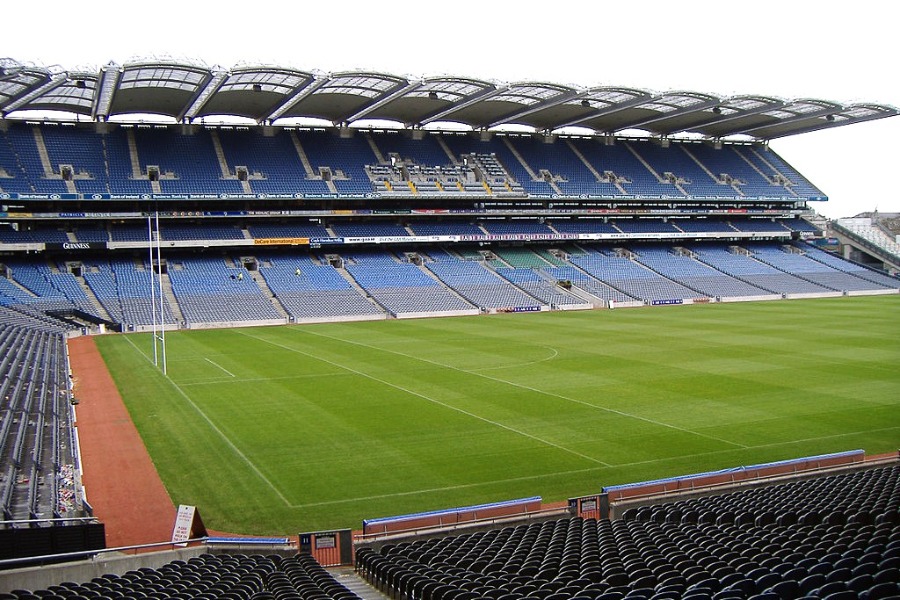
219	431
528	388
785	379
346	448
436	401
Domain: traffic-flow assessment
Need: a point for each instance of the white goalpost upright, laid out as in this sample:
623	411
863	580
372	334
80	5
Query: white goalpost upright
158	318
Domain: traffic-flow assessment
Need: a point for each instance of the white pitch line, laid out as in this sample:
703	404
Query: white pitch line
231	444
218	431
570	472
139	351
220	380
221	367
525	387
432	400
553	354
495	482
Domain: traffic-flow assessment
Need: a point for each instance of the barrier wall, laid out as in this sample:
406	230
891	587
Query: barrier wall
814	295
453	516
449	313
603	505
872	292
750	298
734	475
37	578
233	324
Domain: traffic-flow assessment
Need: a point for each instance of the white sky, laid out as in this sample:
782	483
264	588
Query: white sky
786	48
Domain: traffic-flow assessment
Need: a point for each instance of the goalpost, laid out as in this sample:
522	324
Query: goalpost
159	329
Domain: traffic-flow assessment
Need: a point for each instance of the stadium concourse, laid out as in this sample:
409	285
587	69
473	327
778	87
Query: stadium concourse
479	198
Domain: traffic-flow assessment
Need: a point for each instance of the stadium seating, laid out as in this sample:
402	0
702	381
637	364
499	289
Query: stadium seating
36	235
706	225
729	166
345	157
479	285
815	538
694	274
848	267
583	226
629	277
294	229
741	263
210	291
792	259
539	286
272	162
515	227
819	538
368	229
308	289
38	459
123	288
208	162
448	227
212	576
401	287
186	162
864	229
44	286
82	151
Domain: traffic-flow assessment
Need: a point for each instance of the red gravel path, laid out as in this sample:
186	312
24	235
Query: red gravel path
120	480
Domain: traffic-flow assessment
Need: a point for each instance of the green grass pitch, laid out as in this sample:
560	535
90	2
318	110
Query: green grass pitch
276	430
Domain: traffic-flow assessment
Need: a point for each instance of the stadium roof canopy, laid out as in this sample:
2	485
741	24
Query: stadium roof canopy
185	92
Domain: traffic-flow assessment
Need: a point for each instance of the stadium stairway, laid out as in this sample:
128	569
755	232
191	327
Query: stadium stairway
359	289
98	307
171	300
449	289
350	579
268	293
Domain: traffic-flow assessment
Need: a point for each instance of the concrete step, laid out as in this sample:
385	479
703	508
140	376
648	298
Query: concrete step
349	578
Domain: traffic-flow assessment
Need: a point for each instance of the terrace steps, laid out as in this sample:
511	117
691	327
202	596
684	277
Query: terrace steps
585	161
431	274
171	301
133	155
95	302
301	153
347	276
220	155
646	165
22	287
42	152
268	293
350	579
443	144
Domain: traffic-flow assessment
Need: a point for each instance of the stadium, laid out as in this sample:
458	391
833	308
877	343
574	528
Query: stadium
435	337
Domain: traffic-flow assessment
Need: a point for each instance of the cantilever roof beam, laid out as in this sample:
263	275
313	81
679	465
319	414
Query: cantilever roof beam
203	95
185	91
797	111
389	97
735	112
108	84
856	113
563	94
311	86
637	100
703	102
483	95
54	82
